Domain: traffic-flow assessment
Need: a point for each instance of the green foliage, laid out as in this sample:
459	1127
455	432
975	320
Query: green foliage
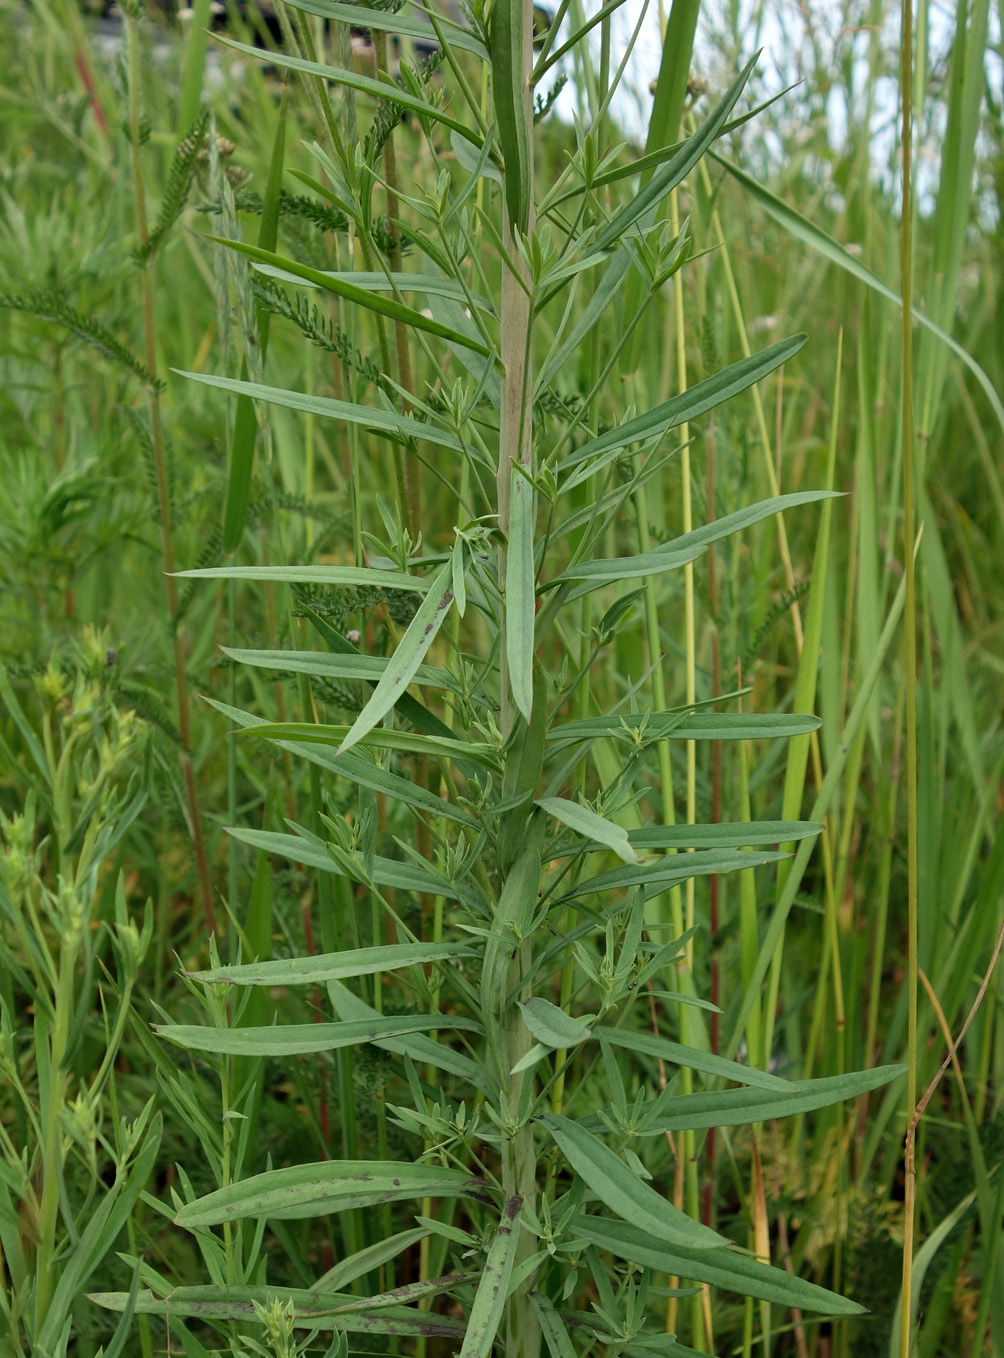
553	964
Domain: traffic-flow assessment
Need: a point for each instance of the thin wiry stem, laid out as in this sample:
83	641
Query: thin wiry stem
913	1110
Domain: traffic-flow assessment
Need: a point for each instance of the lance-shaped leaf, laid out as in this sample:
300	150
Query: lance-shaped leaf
688	405
489	1300
348	291
666	1050
313	575
654	878
519	591
620	1189
325	665
734	835
552	1327
379	89
406	659
411	742
690	726
334	966
314	1310
669	175
298	1039
672	555
736	1107
590	825
330	1186
507	42
551	1026
398	428
729	1269
422	1050
392	21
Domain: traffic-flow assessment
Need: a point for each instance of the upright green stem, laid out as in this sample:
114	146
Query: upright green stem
160	470
52	1151
909	500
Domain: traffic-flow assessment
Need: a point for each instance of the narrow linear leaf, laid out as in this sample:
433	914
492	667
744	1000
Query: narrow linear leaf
729	1269
675	170
489	1300
330	1186
334	966
313	575
314	1310
682	550
620	1189
507	42
688	405
690	726
590	825
324	665
379	89
298	1039
737	1107
666	1050
340	285
399	428
519	591
406	659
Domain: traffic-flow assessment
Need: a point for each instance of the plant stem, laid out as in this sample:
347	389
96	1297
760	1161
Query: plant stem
160	470
910	622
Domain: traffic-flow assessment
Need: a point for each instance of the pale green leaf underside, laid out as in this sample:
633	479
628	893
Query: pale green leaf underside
620	1189
400	428
330	1186
334	966
590	825
728	1269
299	1039
319	1310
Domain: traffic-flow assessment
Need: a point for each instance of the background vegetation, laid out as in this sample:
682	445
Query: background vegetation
122	682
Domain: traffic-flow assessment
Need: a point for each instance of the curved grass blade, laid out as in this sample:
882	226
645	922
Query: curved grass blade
392	21
809	234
